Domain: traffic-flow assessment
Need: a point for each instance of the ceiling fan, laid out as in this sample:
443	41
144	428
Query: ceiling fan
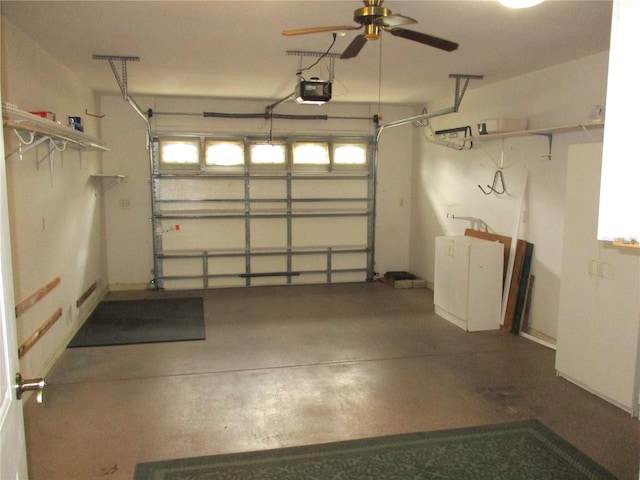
374	18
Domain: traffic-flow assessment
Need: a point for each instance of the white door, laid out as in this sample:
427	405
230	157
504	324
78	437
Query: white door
13	457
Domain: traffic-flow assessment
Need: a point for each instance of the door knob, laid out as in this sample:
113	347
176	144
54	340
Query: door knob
34	385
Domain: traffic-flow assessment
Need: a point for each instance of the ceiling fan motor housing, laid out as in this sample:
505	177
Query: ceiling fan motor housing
367	16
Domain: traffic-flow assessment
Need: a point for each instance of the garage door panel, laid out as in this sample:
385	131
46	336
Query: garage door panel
226	265
268	189
269	234
182	267
268	208
328	206
204	234
199	208
329	232
268	264
309	262
348	260
321	188
201	188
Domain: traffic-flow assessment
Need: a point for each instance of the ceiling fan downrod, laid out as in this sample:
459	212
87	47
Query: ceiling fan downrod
368	15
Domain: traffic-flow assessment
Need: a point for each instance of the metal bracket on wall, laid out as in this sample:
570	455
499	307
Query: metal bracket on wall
549	142
109	181
331	56
460	90
122	81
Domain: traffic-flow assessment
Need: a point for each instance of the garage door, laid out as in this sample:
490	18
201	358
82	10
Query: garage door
250	211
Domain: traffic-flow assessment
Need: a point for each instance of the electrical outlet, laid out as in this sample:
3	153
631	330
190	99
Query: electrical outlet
125	203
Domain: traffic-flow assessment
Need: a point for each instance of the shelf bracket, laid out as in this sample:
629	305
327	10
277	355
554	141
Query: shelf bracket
26	146
111	180
417	120
549	142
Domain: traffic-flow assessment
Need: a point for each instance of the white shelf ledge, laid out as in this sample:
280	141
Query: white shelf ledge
541	131
19	120
545	132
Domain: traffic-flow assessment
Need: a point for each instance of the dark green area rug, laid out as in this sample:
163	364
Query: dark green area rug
125	322
509	451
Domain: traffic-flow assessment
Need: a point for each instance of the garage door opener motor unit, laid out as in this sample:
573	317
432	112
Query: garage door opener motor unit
313	91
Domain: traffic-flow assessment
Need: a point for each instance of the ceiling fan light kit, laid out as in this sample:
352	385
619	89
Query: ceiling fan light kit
520	3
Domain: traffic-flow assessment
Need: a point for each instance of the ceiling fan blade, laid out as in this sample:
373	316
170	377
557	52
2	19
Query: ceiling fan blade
304	31
354	47
395	20
423	38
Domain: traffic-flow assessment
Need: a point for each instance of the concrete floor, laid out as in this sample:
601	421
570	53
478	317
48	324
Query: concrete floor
285	366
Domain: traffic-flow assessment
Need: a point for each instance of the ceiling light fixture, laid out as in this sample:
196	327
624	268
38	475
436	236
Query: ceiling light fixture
520	3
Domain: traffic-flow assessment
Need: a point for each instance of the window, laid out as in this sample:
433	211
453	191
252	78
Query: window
179	152
224	153
350	154
268	154
310	153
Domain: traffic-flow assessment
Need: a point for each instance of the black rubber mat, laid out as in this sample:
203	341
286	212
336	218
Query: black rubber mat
126	322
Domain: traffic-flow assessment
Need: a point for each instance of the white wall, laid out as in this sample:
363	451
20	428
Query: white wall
445	180
129	236
128	230
56	215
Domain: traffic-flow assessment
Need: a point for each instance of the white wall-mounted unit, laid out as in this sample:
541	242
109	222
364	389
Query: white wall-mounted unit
598	324
468	282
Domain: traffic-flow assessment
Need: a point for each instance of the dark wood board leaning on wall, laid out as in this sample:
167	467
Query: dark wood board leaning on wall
523	290
524	320
514	285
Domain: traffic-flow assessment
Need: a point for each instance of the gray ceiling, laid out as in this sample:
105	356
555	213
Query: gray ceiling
235	48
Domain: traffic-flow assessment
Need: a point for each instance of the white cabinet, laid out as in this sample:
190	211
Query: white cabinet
468	282
599	312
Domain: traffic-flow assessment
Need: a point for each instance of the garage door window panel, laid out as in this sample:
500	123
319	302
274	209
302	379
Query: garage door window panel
180	154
